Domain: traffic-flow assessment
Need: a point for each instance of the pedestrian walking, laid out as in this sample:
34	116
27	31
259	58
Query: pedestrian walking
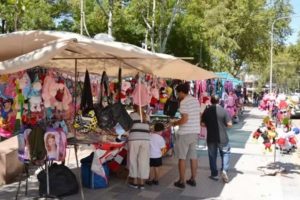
186	138
216	120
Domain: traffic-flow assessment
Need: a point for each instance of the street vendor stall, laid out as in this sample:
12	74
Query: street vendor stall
70	54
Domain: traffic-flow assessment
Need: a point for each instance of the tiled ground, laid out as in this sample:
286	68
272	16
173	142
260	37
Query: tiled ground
247	182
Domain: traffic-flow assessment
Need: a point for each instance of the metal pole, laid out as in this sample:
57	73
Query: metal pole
271	58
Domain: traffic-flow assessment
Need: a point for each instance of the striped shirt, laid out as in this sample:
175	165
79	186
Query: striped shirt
139	131
190	106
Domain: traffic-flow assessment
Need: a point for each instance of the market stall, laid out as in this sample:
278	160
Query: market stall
48	95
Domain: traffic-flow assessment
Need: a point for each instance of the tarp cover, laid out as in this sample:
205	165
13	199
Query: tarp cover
27	49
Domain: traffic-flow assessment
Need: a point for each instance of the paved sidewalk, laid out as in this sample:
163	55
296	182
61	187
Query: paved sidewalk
246	181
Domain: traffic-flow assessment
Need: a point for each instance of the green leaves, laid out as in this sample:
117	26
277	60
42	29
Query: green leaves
227	35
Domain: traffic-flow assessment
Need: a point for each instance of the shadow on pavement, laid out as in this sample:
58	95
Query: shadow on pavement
206	188
281	168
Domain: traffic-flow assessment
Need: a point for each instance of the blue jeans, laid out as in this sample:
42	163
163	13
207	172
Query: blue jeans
213	154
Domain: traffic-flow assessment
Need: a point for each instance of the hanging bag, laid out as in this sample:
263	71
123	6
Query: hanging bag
86	121
86	103
171	105
104	115
120	114
62	181
115	113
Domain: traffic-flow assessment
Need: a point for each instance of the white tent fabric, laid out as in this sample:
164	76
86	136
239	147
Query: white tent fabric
27	49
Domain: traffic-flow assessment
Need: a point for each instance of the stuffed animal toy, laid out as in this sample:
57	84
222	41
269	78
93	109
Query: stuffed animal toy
163	96
266	141
287	123
257	133
35	98
272	135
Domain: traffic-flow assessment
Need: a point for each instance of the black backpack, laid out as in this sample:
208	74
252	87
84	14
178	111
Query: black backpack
62	181
171	105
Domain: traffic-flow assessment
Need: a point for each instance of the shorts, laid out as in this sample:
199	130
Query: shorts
155	162
185	146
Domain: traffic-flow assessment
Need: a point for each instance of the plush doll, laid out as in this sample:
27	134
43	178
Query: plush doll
257	133
272	135
163	96
266	141
35	98
286	122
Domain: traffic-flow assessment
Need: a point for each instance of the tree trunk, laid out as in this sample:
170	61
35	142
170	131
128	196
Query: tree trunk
153	25
110	17
169	27
147	29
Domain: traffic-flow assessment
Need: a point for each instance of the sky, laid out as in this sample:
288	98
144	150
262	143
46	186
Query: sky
295	23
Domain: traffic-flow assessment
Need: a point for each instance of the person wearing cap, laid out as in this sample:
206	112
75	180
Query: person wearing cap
216	119
187	136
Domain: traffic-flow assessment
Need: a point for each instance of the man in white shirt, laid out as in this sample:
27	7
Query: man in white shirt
186	140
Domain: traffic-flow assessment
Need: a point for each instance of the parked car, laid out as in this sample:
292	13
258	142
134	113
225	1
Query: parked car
295	110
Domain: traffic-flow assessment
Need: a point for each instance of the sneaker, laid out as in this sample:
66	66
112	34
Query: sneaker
225	177
191	182
149	182
141	187
215	178
179	184
132	185
155	182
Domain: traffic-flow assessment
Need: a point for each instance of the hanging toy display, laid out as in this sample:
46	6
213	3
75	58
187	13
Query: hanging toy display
7	119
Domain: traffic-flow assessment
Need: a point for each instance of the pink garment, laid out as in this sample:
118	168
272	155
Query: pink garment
10	89
230	101
203	86
231	111
5	133
48	91
228	86
66	100
144	94
154	92
283	105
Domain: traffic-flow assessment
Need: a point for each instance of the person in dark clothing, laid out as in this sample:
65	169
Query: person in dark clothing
216	120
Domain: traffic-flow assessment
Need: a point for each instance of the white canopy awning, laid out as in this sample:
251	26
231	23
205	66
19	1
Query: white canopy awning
27	49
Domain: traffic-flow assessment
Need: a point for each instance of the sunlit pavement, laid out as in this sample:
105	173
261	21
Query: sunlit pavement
250	177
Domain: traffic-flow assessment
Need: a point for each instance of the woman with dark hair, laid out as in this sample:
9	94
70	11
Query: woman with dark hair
139	148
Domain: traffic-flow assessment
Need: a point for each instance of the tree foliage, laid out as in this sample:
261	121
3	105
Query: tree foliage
227	35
